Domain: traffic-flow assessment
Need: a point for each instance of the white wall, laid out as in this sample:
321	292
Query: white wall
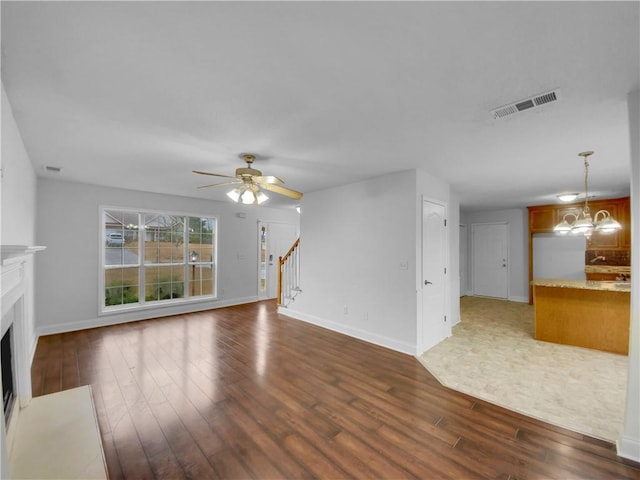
18	204
18	184
17	217
629	444
69	269
518	247
354	239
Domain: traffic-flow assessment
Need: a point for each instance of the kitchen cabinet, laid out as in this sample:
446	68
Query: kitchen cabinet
583	313
543	218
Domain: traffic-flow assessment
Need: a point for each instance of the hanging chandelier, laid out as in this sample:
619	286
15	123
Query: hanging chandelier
582	222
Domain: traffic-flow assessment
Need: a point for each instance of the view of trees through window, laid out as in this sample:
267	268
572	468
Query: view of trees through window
178	255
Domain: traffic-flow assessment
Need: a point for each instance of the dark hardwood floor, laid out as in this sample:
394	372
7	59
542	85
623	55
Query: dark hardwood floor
243	392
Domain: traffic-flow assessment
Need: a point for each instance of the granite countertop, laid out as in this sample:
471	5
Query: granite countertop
582	284
607	269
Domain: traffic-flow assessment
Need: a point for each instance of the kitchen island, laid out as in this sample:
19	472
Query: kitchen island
583	313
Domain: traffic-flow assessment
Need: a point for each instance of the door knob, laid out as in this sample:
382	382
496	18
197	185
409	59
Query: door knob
427	282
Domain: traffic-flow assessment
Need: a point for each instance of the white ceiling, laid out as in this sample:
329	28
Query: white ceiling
138	94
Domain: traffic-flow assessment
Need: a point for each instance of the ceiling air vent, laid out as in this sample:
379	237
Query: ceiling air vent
526	104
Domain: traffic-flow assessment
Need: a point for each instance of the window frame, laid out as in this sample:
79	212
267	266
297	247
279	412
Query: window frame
187	264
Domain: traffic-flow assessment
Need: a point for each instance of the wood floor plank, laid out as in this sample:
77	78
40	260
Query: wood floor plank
371	456
243	392
317	465
227	465
349	462
251	456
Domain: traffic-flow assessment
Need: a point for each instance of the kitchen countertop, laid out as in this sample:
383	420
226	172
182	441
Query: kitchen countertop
607	269
583	284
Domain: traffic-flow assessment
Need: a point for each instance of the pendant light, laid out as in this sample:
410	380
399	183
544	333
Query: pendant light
583	223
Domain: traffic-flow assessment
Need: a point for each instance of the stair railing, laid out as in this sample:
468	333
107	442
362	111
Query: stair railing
289	275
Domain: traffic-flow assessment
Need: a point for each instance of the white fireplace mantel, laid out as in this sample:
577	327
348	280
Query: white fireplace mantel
16	298
9	252
13	282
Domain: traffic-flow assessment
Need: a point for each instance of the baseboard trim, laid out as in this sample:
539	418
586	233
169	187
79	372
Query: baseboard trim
629	448
364	335
519	299
106	321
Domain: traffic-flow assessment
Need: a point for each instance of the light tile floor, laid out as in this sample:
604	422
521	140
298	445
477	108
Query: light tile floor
492	355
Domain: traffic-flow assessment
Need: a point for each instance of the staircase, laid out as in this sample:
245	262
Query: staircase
289	275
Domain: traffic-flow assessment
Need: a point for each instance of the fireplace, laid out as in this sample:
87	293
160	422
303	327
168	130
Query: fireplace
6	350
18	334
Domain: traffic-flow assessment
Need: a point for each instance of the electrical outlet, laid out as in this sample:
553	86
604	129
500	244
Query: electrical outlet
345	310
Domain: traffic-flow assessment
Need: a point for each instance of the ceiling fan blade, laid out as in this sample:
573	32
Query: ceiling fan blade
220	184
265	179
282	190
212	174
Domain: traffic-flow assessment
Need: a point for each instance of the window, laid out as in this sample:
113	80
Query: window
153	257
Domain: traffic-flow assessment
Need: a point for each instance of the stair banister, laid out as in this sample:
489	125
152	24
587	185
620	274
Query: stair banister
290	274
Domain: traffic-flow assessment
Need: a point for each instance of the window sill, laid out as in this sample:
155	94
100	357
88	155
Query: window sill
135	307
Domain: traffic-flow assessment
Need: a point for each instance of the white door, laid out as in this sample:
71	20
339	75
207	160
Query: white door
434	262
274	240
489	259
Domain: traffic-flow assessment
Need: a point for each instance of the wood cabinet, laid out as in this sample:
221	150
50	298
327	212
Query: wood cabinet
624	217
597	319
541	217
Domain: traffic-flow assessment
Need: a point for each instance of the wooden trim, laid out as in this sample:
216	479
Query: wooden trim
291	250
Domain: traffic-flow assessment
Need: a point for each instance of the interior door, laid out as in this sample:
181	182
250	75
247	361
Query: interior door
434	262
275	239
490	259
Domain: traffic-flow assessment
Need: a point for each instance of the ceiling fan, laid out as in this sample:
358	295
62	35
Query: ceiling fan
251	182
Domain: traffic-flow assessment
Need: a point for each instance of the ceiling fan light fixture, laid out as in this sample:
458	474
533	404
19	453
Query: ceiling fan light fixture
234	194
250	183
248	197
261	197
